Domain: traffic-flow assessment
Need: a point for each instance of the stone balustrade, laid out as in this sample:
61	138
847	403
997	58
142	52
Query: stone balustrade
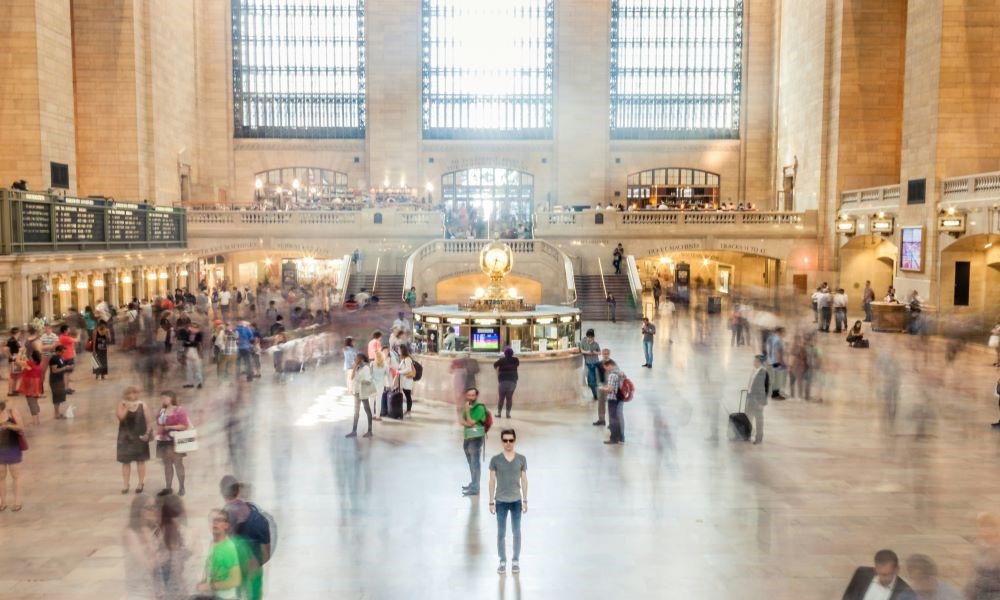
980	187
355	224
876	197
596	223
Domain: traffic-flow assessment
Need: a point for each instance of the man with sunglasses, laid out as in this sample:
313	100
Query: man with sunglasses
508	495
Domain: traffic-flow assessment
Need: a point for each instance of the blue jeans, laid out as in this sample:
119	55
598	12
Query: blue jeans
243	358
868	312
647	347
473	450
503	509
592	377
616	420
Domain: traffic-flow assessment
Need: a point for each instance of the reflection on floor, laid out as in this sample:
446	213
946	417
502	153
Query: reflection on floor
672	514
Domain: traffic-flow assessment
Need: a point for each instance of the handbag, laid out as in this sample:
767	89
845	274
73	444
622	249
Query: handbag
89	346
185	441
994	341
22	440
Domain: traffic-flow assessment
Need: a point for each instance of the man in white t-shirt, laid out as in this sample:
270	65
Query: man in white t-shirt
224	299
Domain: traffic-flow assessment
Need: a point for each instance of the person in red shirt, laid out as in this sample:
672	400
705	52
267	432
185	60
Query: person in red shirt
68	342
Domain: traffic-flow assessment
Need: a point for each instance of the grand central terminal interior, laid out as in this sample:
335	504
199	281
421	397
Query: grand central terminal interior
323	277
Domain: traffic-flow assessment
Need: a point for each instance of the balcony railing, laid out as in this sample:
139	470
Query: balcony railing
981	186
655	223
886	195
357	223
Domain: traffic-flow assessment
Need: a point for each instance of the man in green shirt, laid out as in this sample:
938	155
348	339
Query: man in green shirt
474	432
222	568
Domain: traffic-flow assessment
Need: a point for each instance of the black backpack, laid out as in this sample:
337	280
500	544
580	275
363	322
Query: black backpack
418	371
258	521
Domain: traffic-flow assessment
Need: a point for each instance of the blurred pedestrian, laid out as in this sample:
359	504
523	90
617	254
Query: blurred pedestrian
615	414
757	395
140	549
172	551
612	307
58	369
11	430
252	529
868	296
923	577
31	383
193	371
102	341
776	362
994	342
362	387
506	368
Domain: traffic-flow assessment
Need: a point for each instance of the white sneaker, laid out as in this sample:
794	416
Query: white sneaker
502	568
515	567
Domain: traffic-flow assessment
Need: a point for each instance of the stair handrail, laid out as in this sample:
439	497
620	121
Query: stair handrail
378	263
571	295
635	283
344	278
600	268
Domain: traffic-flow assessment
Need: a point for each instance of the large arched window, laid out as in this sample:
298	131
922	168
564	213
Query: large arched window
299	187
675	187
299	69
487	68
484	200
676	68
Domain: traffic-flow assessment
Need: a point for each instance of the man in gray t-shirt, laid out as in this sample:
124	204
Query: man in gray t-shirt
508	495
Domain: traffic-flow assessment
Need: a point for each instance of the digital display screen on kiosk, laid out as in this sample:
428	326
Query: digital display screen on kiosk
486	338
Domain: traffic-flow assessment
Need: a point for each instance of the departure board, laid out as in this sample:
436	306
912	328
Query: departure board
125	225
80	223
164	226
35	222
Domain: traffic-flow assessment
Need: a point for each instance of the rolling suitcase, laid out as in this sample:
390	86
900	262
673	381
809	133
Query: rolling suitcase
739	423
396	399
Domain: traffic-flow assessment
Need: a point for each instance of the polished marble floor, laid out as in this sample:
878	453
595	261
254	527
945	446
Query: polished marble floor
671	514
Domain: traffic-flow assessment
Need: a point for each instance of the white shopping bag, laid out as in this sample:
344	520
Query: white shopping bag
185	441
70	411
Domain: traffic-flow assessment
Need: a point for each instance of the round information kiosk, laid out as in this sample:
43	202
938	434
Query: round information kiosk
458	337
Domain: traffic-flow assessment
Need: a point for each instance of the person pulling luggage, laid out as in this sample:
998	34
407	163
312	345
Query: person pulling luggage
758	391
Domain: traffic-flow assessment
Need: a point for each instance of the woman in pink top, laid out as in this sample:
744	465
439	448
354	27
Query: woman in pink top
172	417
375	345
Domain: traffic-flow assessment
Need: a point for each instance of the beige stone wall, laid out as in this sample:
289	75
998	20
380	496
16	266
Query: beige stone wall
36	91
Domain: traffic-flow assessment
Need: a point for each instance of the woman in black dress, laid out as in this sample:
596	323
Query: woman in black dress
102	339
134	433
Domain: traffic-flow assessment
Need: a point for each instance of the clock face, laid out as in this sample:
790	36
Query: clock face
496	260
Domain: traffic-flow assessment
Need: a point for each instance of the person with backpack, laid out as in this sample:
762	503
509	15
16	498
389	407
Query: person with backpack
615	377
476	421
249	524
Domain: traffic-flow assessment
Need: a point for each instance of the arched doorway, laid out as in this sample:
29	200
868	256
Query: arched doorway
482	201
677	188
298	187
867	258
690	276
970	277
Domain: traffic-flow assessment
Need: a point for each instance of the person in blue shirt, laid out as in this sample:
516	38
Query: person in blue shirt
244	346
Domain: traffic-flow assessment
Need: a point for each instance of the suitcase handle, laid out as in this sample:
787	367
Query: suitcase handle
743	401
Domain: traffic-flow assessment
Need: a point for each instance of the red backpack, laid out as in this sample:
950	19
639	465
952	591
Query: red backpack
626	390
489	421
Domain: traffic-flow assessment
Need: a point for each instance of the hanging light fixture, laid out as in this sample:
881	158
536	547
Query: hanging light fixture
64	287
151	276
81	285
163	275
126	279
98	283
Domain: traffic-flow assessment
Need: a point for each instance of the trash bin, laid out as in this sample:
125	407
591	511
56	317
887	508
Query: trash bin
714	304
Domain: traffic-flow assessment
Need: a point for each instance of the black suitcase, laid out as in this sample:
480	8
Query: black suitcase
739	422
396	399
293	366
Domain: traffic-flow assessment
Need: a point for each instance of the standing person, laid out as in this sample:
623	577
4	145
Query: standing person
610	389
825	303
776	361
223	576
473	422
172	417
815	303
375	345
617	257
31	383
192	356
994	342
13	349
840	310
102	340
602	396
68	343
49	340
225	345
506	369
362	387
244	347
648	331
11	429
591	352
757	393
134	431
867	297
381	382
508	496
406	374
58	369
411	297
251	527
224	299
612	307
657	291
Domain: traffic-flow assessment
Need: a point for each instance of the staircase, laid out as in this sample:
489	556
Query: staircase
390	287
592	303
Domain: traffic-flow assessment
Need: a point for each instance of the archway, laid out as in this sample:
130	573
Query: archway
970	277
485	200
693	275
677	188
867	258
298	186
270	268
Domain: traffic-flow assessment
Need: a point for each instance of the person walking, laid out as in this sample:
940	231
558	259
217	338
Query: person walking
610	389
411	297
591	352
134	432
381	382
506	368
648	331
363	388
251	528
140	545
193	371
757	394
58	369
14	349
776	362
657	291
102	341
867	297
473	422
172	417
11	430
31	383
406	374
48	341
508	496
612	307
68	343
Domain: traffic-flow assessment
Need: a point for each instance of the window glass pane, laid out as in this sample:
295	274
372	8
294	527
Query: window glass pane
676	68
299	69
487	68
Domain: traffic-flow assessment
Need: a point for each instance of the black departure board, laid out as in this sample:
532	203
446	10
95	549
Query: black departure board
164	226
80	223
35	222
126	225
